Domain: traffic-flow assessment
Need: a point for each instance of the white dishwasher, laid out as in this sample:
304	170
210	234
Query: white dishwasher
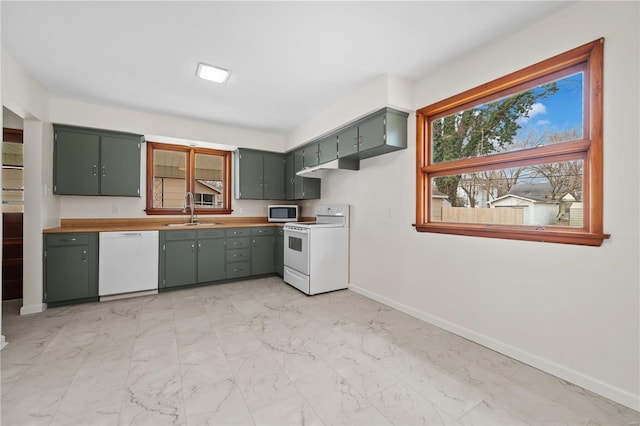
127	262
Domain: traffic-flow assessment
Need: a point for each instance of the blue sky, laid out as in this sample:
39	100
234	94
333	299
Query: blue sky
561	111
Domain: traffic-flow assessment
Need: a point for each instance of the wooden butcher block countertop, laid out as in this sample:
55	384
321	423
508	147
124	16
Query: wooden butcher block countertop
157	224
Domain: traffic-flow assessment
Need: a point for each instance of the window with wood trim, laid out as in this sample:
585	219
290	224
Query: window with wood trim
174	170
519	157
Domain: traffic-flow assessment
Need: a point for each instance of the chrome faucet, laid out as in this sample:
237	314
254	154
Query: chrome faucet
188	201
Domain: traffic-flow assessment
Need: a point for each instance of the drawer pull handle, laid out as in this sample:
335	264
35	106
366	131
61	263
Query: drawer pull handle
67	240
84	256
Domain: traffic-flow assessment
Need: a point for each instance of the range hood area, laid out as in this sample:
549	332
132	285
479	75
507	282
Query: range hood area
331	167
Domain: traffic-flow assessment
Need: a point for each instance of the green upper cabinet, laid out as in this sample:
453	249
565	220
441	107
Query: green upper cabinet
379	133
310	155
348	141
289	176
299	188
259	175
96	162
328	149
119	166
273	172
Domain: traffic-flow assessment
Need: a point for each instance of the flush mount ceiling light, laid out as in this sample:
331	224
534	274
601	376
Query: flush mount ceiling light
209	72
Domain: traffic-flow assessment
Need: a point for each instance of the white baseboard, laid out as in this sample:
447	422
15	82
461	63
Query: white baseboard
614	393
33	309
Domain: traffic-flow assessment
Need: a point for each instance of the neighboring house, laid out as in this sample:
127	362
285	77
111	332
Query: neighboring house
537	203
171	192
438	201
208	193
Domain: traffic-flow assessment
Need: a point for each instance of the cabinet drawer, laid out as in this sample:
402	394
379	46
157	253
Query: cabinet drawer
210	233
238	255
262	230
67	239
238	232
236	243
180	235
238	269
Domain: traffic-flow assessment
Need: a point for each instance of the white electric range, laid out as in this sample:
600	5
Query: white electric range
316	254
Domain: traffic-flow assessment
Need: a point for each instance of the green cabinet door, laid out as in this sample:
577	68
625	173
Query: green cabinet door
298	164
279	251
262	255
348	141
310	155
249	174
273	176
289	176
328	149
70	267
211	255
120	166
76	163
178	258
371	133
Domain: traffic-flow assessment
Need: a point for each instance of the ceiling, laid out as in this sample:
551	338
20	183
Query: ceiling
289	60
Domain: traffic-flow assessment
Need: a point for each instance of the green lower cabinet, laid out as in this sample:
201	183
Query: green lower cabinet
190	257
178	260
70	267
262	250
211	259
238	252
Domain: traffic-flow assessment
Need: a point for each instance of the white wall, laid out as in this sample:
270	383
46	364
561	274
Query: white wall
11	120
24	96
578	318
202	133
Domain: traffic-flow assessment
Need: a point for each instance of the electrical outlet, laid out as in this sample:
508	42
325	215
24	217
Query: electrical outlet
241	210
115	209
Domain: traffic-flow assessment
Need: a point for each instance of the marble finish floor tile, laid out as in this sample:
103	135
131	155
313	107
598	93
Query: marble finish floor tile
259	352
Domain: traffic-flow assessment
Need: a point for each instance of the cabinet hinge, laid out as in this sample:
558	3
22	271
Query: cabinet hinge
164	247
138	145
45	296
45	254
55	136
138	191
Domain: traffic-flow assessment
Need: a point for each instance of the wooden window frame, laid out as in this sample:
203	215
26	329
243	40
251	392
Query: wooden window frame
589	58
190	178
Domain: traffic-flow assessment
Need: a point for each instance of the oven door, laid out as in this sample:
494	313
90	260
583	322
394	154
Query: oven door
296	249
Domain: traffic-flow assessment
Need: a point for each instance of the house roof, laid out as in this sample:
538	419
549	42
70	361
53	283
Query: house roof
210	184
534	192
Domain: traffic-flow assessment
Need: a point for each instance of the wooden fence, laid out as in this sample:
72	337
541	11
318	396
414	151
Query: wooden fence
502	215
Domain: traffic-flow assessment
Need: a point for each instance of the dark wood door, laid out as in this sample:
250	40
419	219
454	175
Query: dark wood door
12	256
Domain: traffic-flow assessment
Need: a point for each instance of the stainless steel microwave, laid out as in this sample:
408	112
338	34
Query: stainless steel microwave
283	213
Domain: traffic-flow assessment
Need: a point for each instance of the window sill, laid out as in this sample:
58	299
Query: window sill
546	235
